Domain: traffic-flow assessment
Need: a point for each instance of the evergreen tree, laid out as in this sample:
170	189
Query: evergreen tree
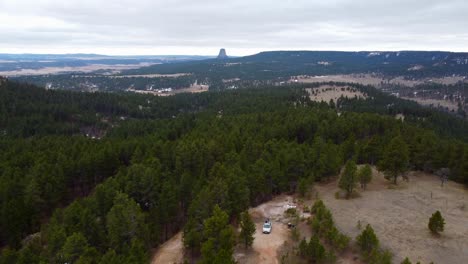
365	175
436	223
111	258
395	159
219	239
313	251
302	187
247	229
406	261
137	253
74	247
367	240
125	222
348	178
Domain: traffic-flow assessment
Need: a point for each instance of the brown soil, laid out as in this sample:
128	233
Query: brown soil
265	246
172	251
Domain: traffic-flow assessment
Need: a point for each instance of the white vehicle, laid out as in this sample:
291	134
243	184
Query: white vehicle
267	227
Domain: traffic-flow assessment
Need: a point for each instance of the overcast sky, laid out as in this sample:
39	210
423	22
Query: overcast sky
243	27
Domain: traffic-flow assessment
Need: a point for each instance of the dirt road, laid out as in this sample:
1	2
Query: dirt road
265	246
400	216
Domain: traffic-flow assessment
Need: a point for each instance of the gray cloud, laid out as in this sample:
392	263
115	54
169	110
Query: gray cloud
242	26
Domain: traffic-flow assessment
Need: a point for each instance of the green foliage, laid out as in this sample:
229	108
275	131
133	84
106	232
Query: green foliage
125	222
247	229
349	178
313	251
317	206
378	256
369	245
395	158
364	175
110	257
367	240
302	187
8	256
323	225
406	261
219	238
165	165
75	246
436	223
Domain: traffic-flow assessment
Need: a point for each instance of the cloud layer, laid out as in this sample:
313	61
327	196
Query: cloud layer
242	26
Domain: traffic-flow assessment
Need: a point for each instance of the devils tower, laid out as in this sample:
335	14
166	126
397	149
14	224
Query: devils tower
222	54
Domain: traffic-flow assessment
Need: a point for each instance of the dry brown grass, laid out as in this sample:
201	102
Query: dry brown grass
374	79
400	215
88	68
326	93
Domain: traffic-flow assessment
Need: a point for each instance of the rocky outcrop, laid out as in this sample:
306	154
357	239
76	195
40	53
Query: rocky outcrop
222	54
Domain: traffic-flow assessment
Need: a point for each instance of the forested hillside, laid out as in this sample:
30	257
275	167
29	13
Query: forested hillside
273	66
283	64
163	164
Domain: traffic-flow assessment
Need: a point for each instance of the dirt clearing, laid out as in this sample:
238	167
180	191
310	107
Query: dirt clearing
400	216
265	246
326	93
172	251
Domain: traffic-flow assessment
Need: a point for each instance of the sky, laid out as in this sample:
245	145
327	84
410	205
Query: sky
243	27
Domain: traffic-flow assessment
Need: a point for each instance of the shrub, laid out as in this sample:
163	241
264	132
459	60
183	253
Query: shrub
436	223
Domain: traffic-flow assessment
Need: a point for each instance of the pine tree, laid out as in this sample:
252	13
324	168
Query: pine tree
302	187
349	178
219	239
125	221
316	250
436	223
406	261
247	229
395	159
367	240
74	247
365	175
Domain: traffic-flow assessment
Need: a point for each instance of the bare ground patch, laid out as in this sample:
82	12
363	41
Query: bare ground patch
266	247
172	251
400	215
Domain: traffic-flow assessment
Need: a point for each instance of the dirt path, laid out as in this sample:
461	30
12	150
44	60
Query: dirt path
170	252
265	246
399	217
